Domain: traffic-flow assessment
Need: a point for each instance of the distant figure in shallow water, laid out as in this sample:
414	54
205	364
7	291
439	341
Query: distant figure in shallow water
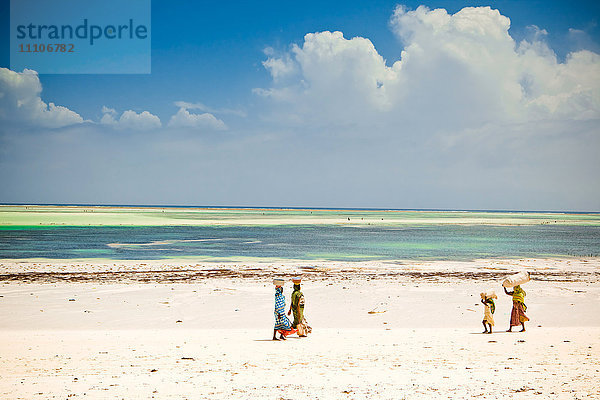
517	315
282	323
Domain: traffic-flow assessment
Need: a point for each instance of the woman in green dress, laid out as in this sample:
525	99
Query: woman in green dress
297	305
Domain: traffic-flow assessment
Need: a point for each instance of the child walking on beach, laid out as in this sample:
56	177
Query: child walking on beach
488	312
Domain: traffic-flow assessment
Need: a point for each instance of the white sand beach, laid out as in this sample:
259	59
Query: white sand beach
406	330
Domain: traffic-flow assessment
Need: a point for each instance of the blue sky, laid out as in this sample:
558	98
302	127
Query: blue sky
213	53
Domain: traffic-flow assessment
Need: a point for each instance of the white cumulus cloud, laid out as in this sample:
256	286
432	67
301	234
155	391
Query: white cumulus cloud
519	80
20	102
455	71
279	68
107	110
185	119
142	121
130	120
205	108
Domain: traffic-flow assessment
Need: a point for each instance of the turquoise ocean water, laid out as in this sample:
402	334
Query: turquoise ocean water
304	242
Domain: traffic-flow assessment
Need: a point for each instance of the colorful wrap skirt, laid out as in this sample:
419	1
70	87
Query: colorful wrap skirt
517	316
282	323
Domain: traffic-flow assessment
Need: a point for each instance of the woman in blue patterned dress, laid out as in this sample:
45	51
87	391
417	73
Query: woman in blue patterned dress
282	323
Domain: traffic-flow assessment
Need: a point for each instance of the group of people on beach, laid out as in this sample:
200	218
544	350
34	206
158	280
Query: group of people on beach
283	326
517	315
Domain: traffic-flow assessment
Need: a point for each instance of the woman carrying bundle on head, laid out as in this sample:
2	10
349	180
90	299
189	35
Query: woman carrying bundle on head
297	307
517	315
282	323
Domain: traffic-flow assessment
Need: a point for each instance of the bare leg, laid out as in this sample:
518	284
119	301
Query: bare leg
490	325
484	327
523	325
275	334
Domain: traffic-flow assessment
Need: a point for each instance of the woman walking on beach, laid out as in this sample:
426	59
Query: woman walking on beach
490	307
282	323
297	306
517	315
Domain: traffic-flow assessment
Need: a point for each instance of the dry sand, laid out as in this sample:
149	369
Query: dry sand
164	329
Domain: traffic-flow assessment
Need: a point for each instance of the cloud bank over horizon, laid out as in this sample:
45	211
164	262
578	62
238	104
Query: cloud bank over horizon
465	118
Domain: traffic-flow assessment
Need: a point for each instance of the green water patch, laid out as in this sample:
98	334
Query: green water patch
91	253
340	257
24	227
57	227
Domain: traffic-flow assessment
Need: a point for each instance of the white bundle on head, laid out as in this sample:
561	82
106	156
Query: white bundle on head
516	279
489	294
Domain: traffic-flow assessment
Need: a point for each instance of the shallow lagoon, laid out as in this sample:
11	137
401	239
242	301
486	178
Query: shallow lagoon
237	234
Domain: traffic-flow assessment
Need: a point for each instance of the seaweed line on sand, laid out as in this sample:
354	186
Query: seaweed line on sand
193	275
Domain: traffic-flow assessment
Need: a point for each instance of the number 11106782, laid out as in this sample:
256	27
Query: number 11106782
47	48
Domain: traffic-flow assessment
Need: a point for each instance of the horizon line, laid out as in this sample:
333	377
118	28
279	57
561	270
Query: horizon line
295	208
